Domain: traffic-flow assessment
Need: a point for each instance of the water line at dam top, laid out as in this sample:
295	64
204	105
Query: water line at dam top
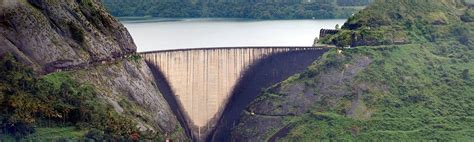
321	46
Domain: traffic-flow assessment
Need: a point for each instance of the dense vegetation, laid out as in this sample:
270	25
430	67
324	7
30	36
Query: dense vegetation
55	106
234	9
420	89
384	23
353	2
410	92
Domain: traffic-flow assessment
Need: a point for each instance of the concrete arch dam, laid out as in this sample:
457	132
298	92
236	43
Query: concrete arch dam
199	83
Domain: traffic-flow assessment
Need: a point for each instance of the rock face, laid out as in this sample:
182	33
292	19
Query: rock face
267	116
79	35
59	34
130	87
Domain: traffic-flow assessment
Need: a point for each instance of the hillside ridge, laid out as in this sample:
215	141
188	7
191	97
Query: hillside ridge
407	77
259	9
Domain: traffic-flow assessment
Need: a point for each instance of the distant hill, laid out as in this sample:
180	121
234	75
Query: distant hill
255	9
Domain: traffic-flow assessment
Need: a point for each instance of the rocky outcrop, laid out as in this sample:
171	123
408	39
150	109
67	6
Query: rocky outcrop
62	33
326	32
130	87
80	36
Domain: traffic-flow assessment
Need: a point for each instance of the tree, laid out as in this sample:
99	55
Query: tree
465	74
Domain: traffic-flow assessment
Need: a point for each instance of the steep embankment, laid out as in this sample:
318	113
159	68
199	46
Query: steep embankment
98	52
420	88
257	9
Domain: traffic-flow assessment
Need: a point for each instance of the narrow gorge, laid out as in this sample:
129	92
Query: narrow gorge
203	81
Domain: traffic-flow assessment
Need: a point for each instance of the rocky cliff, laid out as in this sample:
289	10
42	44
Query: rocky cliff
81	39
129	86
60	34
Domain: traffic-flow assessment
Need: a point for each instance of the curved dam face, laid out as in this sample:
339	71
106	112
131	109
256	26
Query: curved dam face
201	82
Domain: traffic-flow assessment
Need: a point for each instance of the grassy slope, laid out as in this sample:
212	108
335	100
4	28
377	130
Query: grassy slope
418	91
412	93
388	21
52	134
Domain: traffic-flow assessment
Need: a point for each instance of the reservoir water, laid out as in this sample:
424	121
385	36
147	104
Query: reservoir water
164	34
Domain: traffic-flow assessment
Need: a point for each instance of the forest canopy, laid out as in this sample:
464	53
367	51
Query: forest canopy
261	9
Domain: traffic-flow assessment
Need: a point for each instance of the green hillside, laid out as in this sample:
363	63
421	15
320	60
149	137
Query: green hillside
418	89
260	9
407	22
56	107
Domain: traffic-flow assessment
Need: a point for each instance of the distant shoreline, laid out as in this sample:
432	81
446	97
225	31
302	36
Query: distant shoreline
135	19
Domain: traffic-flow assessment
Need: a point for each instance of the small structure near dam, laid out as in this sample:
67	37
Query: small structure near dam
202	81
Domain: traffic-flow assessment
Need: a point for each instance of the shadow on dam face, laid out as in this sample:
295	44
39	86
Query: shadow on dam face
259	76
167	92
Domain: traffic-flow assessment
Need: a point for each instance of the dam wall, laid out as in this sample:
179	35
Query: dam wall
262	74
202	81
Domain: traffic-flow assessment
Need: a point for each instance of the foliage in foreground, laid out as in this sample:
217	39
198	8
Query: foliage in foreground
54	106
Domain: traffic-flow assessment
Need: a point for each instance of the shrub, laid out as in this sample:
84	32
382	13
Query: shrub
465	74
468	16
18	129
95	135
76	33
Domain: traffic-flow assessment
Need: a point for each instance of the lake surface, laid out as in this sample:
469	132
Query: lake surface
164	34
